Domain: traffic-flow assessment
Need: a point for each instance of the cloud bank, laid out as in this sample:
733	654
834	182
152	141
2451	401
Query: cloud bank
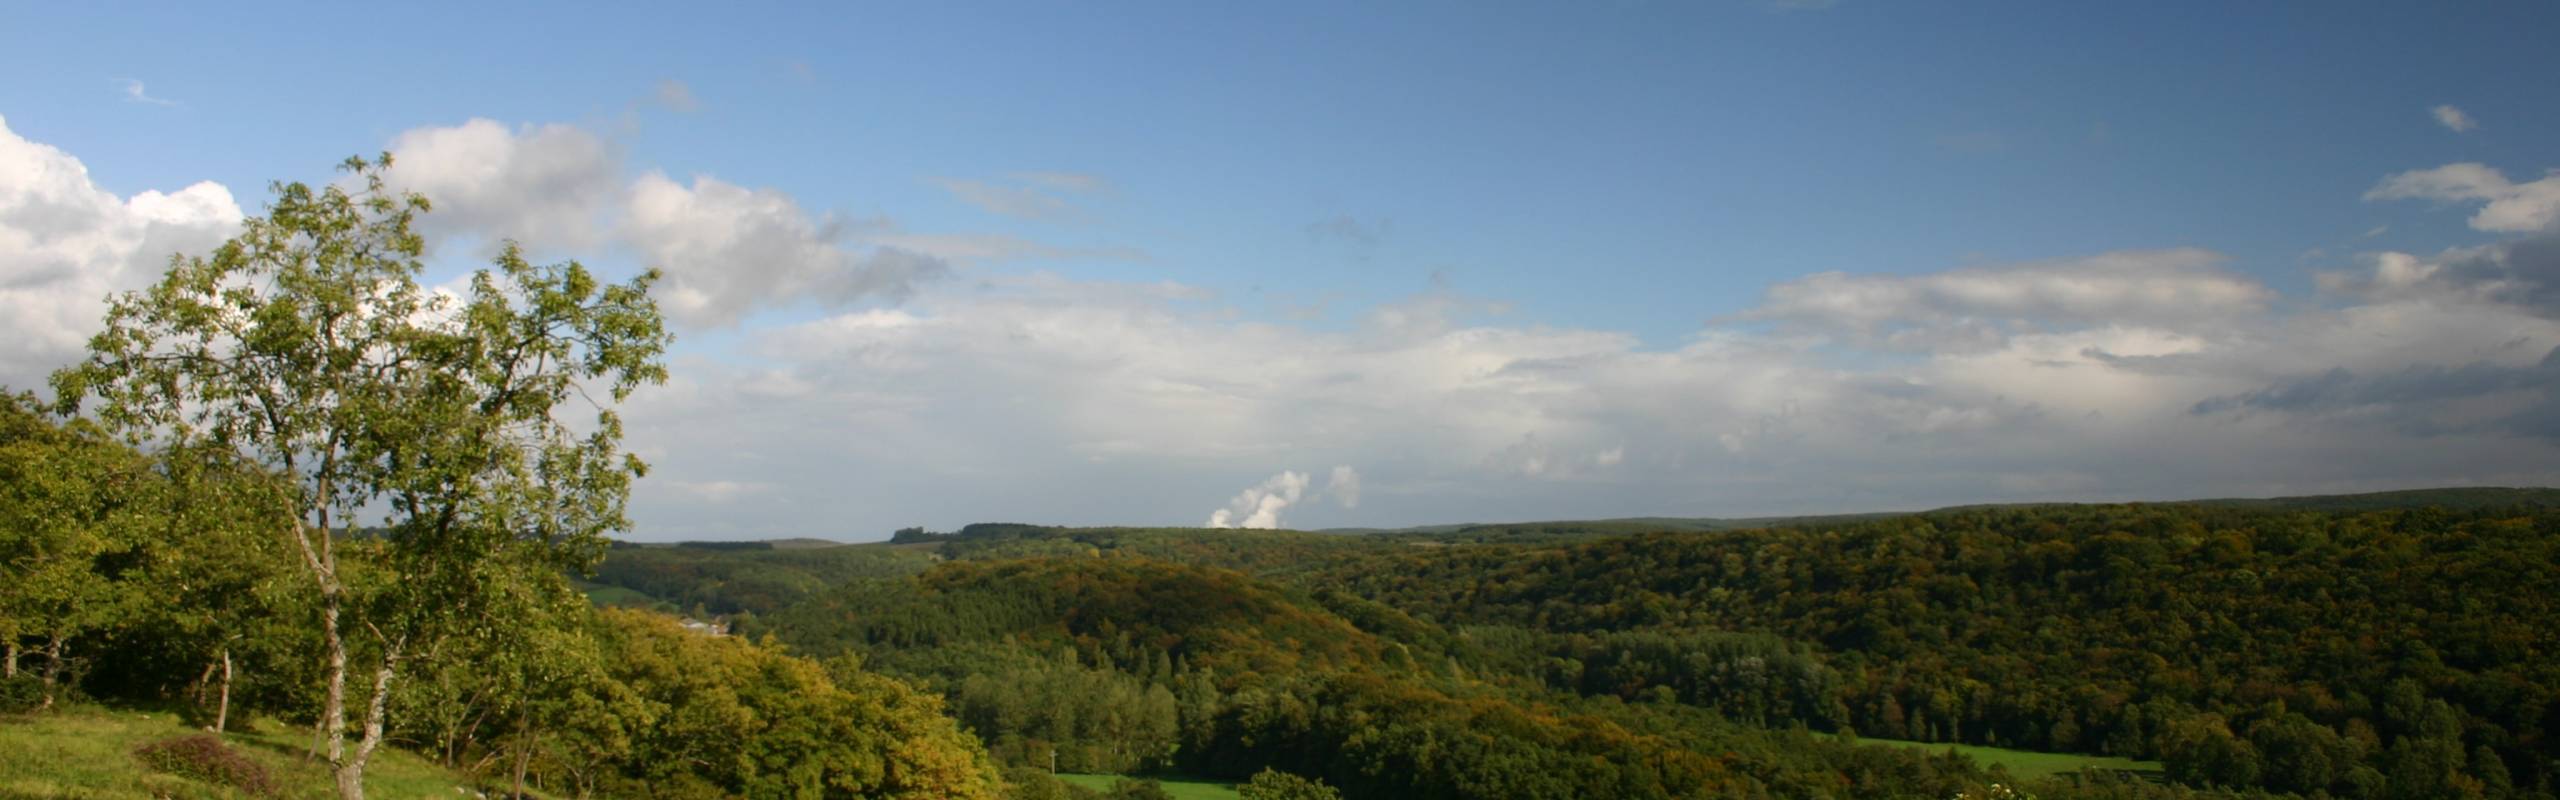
1029	395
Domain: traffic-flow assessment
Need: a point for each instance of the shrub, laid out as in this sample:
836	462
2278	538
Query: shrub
21	694
1271	784
204	757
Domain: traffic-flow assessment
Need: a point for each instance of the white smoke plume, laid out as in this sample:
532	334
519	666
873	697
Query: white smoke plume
1260	505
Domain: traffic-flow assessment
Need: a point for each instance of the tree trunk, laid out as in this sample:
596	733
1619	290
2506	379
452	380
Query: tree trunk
351	773
13	657
195	691
333	709
524	753
52	668
222	710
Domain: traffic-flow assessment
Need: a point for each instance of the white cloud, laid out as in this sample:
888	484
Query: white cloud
2453	119
1037	397
133	92
728	250
546	186
1043	398
2508	207
65	244
1982	306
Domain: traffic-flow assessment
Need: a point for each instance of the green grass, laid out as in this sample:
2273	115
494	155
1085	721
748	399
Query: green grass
87	752
1180	788
608	595
2026	764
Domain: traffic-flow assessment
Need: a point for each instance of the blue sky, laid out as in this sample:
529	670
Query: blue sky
1359	193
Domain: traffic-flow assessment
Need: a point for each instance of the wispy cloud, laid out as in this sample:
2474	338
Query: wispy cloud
133	92
2454	119
1351	230
1036	196
674	95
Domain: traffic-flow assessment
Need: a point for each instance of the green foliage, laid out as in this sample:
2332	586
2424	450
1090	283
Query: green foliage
21	693
2244	647
73	505
748	580
733	718
204	757
308	344
1272	784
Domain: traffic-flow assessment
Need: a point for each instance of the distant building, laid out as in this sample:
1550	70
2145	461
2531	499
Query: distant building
715	627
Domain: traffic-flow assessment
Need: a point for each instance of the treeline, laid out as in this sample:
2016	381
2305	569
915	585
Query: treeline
746	580
2386	654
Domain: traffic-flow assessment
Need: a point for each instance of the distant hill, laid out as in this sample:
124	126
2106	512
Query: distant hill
2450	498
2455	499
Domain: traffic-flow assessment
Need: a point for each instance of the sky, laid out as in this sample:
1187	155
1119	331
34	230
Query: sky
1373	265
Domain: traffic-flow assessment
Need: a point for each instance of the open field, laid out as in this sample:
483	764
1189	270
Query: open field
1180	788
87	752
2026	764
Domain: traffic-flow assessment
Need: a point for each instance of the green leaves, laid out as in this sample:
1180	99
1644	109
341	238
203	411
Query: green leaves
307	345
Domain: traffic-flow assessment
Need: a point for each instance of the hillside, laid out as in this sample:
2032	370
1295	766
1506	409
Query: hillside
2377	645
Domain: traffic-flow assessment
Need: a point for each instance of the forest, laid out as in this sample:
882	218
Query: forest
291	487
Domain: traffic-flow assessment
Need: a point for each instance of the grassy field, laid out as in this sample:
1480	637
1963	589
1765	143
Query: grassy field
606	595
87	752
1180	788
2026	764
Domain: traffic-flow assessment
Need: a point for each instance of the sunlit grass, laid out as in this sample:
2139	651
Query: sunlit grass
87	752
2025	764
1180	788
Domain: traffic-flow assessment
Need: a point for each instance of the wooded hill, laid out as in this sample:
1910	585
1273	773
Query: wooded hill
2334	646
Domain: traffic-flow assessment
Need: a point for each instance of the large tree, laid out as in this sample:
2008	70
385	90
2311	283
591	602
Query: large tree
310	345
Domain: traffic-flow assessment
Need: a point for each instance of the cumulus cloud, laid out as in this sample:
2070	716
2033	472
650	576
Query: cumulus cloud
547	187
1094	403
727	250
2507	207
2453	119
2523	273
1035	396
65	244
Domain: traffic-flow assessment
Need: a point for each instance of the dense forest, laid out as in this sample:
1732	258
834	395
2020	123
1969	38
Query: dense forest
2369	646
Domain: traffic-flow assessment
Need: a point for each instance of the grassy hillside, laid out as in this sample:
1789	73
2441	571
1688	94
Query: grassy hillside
87	752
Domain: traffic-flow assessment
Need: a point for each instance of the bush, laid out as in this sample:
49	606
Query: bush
21	694
1271	784
1030	783
204	757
